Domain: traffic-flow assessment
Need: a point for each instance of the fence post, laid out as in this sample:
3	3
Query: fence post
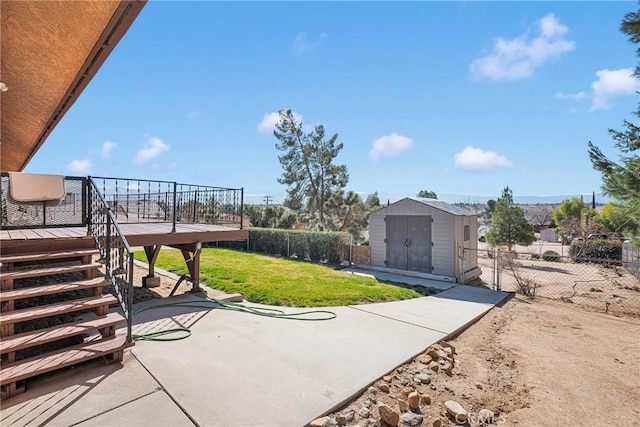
461	264
350	249
288	251
498	270
175	201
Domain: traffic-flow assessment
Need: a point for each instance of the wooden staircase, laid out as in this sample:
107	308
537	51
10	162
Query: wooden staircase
87	332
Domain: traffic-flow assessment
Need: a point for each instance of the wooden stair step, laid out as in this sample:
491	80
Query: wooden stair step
22	315
37	365
38	272
55	333
37	291
47	256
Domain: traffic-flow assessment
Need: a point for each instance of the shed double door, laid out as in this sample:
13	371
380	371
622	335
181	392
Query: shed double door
409	244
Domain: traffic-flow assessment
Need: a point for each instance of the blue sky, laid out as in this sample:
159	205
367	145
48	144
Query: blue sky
462	98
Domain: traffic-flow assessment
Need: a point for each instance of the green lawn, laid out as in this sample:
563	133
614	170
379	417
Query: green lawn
278	281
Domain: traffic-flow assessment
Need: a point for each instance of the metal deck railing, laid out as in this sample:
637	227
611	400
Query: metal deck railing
114	250
130	200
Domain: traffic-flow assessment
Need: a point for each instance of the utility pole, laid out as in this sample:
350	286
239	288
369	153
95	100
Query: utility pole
267	199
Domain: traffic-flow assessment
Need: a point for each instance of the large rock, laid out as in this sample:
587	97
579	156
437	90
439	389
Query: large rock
413	400
447	345
387	378
363	412
410	419
456	410
432	352
320	422
422	378
384	387
424	359
349	414
448	368
341	419
388	415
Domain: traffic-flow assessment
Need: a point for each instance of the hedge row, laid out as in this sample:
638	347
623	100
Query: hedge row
309	245
596	249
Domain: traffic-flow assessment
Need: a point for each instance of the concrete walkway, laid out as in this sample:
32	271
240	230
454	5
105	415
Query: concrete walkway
242	370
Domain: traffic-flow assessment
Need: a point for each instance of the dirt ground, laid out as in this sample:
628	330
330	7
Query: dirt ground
530	364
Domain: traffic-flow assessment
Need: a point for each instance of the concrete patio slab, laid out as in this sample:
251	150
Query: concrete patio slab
78	394
445	312
239	369
155	409
410	280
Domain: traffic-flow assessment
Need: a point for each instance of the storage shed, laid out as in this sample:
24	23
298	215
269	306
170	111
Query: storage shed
426	236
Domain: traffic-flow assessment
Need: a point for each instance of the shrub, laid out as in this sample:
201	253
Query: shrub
552	256
309	245
596	250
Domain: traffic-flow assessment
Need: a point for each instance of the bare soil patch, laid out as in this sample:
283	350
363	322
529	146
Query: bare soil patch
530	364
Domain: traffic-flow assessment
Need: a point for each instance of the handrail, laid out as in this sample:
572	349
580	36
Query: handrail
145	201
114	249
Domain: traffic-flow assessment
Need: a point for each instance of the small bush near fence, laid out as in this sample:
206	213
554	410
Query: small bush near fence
551	256
596	250
308	245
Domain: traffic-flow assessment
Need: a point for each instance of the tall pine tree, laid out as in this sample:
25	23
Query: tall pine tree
309	171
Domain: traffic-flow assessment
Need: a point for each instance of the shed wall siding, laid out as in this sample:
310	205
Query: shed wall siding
442	231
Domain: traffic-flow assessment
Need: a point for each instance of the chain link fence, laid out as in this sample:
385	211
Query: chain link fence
594	284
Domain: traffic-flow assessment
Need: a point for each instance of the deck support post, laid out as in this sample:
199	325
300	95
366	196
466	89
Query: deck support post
191	255
152	255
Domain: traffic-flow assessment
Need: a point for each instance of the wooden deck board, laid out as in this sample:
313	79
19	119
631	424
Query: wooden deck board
54	333
137	234
61	358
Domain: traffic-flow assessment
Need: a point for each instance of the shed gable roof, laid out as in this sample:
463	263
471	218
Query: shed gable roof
443	206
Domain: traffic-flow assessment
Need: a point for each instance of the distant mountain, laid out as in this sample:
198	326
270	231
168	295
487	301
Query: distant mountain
601	199
521	200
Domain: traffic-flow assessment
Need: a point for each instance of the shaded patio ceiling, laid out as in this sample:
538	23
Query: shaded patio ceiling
50	50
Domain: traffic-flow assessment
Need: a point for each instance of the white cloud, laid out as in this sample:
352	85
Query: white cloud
107	148
518	58
301	44
612	83
575	96
152	148
476	159
268	123
389	145
80	166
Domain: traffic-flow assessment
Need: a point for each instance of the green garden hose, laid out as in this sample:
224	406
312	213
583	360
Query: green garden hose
212	303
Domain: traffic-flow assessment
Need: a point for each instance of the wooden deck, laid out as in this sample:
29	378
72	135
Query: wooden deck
142	234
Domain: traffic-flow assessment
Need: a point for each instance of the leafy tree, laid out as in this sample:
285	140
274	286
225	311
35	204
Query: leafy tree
572	208
622	179
427	194
489	209
287	220
540	215
372	201
348	213
309	171
574	219
616	219
509	226
270	217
